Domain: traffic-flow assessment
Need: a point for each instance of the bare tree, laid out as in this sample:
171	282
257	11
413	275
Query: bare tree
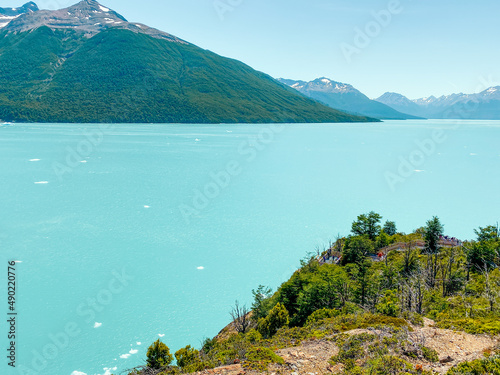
412	290
489	292
241	318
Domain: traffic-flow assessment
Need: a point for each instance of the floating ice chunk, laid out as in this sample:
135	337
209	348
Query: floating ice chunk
200	268
133	351
78	373
161	335
125	356
139	343
147	206
97	325
108	370
41	182
34	159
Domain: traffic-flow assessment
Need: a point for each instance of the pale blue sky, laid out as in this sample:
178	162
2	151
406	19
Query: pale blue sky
429	47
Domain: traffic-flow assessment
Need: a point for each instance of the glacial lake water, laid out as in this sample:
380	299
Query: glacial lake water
128	233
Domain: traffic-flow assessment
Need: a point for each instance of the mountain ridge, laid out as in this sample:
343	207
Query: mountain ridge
63	66
345	97
88	16
483	105
8	14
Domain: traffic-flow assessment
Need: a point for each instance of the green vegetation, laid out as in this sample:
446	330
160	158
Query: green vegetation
489	365
378	354
259	359
278	317
121	76
383	294
158	355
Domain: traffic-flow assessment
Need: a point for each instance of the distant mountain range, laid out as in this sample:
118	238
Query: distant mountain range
392	106
87	63
485	105
8	14
346	98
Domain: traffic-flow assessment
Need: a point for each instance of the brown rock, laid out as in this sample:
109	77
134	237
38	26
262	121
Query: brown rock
447	359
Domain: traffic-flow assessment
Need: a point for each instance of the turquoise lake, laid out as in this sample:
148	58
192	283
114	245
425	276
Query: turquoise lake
126	233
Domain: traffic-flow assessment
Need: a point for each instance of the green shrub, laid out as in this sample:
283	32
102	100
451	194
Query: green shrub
258	359
413	318
158	355
489	366
286	336
253	336
208	344
389	304
322	314
390	365
430	354
474	326
171	370
351	348
278	317
189	359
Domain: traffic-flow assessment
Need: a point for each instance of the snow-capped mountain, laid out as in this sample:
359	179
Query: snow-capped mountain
87	16
344	97
399	103
8	14
321	85
88	64
483	105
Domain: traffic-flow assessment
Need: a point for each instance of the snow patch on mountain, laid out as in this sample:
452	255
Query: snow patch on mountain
9	14
87	16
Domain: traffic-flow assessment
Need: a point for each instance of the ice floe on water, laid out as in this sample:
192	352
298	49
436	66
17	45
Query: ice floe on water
109	369
139	343
34	160
419	170
200	268
97	325
147	206
161	335
125	356
78	373
83	161
41	182
133	351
